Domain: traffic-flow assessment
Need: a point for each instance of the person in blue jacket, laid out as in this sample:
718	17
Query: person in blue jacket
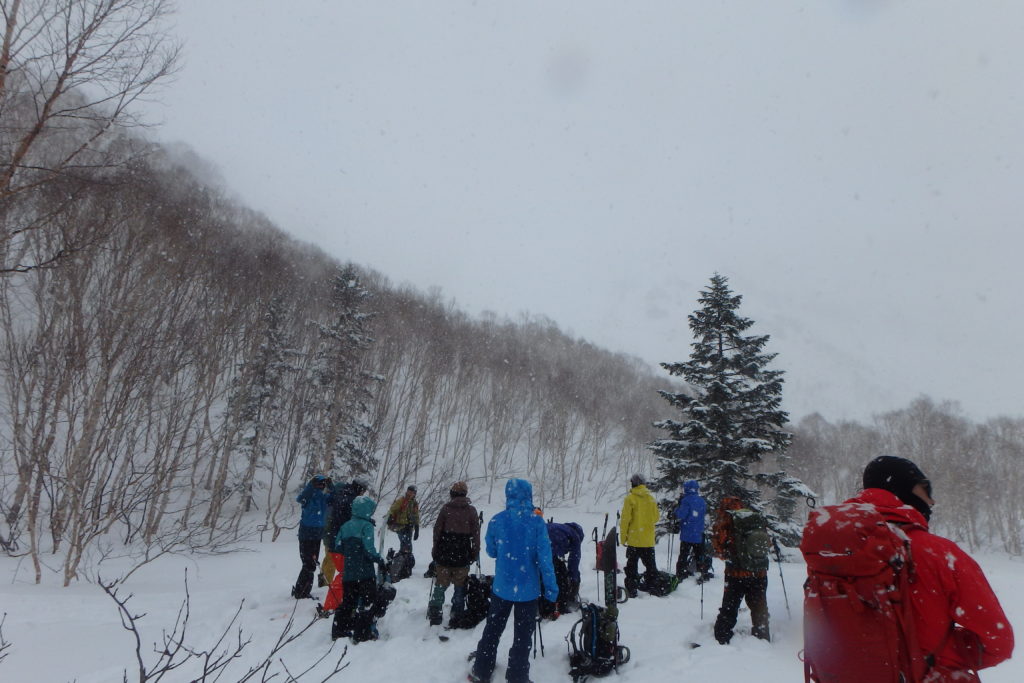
691	512
313	499
518	540
566	539
355	615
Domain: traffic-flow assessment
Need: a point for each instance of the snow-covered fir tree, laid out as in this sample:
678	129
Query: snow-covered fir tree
731	419
255	401
339	437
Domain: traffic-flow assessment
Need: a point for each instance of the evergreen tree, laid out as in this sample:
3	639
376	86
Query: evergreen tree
339	437
256	400
732	418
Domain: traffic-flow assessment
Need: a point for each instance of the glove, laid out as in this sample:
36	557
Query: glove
416	534
551	594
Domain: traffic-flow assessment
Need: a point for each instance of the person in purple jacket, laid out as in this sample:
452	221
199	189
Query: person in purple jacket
691	512
518	540
566	540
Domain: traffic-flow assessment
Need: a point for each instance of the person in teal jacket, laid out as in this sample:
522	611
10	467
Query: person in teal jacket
518	540
355	541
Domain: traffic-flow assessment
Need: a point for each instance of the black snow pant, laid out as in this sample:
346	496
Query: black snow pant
689	552
524	622
633	558
309	553
567	590
356	614
754	590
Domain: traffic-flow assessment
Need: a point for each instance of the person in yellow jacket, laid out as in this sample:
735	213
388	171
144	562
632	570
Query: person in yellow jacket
636	528
404	519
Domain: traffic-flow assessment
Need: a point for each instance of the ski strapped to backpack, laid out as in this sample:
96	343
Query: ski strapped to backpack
858	618
593	641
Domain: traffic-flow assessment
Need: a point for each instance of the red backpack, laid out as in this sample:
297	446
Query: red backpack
858	618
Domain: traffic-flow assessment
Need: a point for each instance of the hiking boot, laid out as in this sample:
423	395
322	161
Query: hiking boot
434	616
473	678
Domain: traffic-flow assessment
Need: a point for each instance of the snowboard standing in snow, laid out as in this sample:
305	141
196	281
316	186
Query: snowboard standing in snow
593	641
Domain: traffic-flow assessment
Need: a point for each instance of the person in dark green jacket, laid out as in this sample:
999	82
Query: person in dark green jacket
355	541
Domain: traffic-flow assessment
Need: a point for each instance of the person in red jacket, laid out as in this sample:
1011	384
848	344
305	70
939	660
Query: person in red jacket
961	627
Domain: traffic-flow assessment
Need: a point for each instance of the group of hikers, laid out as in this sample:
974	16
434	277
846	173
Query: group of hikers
918	608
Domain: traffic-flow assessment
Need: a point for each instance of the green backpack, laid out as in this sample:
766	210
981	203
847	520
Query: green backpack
751	542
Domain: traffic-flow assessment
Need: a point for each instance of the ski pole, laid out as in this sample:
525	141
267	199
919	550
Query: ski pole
671	541
479	571
538	634
778	560
702	600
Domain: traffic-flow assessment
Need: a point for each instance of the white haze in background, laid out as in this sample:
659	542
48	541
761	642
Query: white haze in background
853	166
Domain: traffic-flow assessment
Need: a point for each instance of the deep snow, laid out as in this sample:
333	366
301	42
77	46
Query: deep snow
63	634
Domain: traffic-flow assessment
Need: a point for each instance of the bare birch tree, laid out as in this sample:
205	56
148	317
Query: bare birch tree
70	73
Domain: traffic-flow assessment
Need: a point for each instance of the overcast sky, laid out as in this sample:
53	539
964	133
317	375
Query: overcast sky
853	166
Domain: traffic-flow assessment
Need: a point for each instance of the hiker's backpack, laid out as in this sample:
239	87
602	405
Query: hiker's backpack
400	564
858	618
751	543
478	601
659	583
386	594
593	643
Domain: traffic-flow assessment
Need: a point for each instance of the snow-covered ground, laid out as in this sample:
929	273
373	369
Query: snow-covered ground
63	634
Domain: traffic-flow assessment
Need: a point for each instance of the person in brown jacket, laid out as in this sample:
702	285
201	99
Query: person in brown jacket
456	546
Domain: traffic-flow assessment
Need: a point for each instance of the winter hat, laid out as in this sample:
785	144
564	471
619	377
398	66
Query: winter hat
898	476
459	488
411	488
637	480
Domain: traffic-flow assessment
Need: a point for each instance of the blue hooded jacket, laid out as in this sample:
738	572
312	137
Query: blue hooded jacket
518	540
314	509
691	512
567	538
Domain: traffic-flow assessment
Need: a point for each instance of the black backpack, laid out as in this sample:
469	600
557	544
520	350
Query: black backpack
400	564
478	602
658	584
386	594
594	648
